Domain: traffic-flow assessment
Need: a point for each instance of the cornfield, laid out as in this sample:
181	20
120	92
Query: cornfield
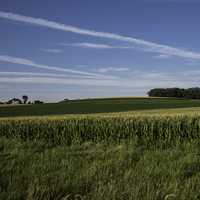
100	157
162	130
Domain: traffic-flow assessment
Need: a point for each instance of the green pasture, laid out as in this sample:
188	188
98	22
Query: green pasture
90	106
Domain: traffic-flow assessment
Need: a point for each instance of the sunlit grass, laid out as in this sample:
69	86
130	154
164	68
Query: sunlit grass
143	154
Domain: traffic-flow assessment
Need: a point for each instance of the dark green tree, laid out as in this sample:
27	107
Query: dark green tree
190	93
25	98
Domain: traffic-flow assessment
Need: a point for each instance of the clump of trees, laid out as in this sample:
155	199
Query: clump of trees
190	93
14	101
38	102
24	100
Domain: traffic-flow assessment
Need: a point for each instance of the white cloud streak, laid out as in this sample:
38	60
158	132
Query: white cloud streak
26	62
96	46
51	50
163	56
60	81
141	79
112	69
141	44
32	74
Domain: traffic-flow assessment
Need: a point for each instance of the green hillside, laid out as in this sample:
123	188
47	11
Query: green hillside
88	106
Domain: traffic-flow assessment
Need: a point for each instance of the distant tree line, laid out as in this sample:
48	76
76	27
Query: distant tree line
190	93
24	100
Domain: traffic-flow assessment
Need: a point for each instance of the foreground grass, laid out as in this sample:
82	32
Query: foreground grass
140	155
37	171
89	106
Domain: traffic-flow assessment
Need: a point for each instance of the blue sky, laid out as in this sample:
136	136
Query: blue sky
52	50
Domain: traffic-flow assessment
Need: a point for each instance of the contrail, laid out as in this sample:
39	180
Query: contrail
141	44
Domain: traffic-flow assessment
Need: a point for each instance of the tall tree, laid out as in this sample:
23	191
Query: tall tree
25	98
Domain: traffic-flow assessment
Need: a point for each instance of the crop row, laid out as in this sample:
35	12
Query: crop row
149	130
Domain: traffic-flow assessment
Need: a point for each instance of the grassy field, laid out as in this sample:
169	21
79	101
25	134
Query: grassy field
97	106
30	170
137	154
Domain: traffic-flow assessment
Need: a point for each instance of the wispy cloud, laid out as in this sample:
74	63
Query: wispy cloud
139	43
90	45
27	62
97	46
138	84
51	50
163	56
141	79
112	69
35	74
60	81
